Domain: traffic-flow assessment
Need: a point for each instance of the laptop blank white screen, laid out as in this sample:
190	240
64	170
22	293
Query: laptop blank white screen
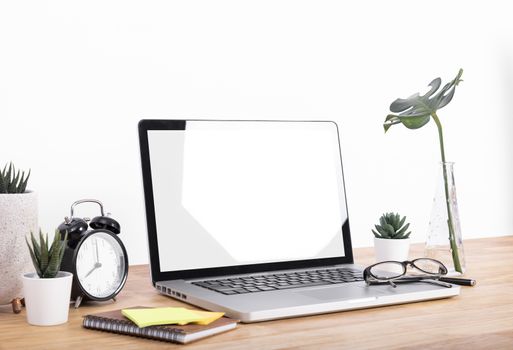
232	193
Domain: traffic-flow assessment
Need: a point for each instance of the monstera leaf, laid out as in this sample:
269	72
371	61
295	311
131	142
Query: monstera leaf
415	111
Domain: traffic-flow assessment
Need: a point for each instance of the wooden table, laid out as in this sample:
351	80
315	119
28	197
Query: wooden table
481	317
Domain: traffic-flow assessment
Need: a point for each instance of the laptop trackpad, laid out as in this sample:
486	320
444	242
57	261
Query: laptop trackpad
345	292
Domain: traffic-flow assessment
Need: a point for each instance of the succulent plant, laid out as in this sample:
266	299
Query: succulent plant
47	260
391	226
11	181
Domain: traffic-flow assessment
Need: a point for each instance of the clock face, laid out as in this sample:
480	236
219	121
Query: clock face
100	265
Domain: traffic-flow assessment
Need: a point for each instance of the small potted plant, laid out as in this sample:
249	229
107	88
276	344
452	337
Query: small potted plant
18	215
391	239
47	291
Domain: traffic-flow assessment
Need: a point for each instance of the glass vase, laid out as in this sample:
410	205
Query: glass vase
444	240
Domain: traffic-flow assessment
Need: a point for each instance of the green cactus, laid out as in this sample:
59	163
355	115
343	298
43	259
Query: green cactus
391	226
47	260
11	181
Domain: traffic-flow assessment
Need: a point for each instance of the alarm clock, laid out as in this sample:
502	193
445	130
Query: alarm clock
94	255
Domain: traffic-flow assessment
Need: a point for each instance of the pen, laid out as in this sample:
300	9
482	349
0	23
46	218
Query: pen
459	281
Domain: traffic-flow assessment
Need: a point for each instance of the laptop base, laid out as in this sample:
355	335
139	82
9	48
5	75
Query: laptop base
278	304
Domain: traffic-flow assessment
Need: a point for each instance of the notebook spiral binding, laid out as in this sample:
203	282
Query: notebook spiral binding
120	327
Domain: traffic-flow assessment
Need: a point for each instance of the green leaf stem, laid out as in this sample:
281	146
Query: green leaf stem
416	111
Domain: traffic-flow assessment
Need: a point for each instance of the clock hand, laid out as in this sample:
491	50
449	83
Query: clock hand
90	271
97	257
96	265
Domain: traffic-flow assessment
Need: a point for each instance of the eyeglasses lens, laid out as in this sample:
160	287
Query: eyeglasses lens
387	270
429	266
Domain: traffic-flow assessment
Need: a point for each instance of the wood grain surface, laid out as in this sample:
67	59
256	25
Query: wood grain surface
481	317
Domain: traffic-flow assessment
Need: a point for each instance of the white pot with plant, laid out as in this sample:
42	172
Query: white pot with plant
18	215
48	290
391	239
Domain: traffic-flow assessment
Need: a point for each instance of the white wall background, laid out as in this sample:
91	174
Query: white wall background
75	77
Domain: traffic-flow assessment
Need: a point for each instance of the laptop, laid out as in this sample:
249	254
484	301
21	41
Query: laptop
250	218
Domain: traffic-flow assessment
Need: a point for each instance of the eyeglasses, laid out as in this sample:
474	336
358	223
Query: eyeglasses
392	272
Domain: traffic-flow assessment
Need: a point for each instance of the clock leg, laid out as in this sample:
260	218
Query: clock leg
114	299
78	301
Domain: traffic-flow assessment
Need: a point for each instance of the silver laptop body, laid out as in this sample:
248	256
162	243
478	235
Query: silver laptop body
250	218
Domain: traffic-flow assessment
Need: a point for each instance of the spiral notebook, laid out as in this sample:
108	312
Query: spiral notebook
115	322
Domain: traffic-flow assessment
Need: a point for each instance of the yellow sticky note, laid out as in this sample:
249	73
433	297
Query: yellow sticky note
169	315
207	317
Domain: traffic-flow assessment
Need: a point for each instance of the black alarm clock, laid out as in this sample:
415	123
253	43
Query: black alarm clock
94	255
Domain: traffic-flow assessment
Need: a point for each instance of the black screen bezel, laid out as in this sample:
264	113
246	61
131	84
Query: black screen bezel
158	275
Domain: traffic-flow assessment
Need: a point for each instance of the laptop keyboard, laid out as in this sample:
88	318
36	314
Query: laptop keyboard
287	280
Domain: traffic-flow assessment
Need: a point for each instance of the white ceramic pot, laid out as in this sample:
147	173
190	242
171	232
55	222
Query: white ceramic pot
391	249
47	299
18	217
